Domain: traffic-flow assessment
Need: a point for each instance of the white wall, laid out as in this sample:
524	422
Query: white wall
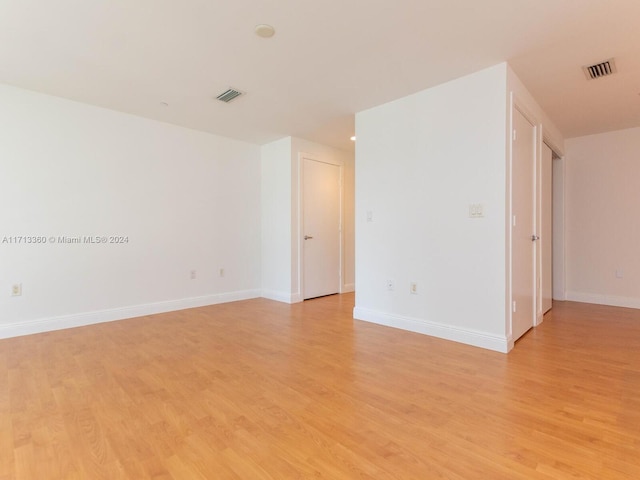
420	162
523	98
276	178
186	200
281	235
602	201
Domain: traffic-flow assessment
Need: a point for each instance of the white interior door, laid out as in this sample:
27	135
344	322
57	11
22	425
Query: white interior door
523	226
546	229
321	228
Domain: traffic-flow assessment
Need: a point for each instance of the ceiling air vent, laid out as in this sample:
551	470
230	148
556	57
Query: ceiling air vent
602	69
229	95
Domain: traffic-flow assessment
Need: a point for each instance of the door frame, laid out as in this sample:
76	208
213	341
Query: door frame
546	236
298	232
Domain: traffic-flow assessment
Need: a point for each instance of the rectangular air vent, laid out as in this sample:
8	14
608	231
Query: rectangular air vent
602	69
229	95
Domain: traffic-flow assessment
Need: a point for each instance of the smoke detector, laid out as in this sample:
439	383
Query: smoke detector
598	70
229	94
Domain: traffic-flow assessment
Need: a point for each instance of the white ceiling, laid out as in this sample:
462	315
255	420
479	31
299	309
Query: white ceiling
328	60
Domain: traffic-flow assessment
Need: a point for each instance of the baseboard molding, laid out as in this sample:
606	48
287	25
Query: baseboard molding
348	287
284	297
612	300
89	318
439	330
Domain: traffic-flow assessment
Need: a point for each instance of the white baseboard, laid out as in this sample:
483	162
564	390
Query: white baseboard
612	300
439	330
284	297
89	318
348	287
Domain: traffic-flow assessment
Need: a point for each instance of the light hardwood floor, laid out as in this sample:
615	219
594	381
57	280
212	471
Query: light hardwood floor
262	390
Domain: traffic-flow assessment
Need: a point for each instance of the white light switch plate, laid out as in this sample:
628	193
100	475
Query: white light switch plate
476	210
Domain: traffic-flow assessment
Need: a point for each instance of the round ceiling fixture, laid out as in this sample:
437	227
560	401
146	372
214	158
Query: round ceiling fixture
265	31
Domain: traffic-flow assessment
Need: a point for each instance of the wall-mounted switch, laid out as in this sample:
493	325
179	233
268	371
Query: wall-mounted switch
476	210
16	290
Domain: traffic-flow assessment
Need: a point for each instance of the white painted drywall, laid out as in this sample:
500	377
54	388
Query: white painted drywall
276	197
602	201
528	104
420	162
186	200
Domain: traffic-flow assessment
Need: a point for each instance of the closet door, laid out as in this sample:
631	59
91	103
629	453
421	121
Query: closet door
523	237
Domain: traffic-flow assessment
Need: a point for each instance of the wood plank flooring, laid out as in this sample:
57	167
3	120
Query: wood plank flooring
262	390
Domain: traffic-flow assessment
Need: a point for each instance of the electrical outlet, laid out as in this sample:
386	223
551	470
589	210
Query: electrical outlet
413	288
192	275
16	290
391	285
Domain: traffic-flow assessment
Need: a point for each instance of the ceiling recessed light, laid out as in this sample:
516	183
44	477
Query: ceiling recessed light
265	31
353	139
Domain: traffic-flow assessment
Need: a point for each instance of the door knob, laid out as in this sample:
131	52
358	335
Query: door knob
534	238
308	237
